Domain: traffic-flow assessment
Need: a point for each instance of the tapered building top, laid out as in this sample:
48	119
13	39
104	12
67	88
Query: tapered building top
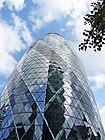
48	97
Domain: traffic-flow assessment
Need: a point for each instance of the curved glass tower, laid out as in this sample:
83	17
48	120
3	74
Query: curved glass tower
48	96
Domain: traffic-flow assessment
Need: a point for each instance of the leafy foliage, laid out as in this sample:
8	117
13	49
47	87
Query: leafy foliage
95	37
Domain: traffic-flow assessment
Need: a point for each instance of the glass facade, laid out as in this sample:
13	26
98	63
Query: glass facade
48	97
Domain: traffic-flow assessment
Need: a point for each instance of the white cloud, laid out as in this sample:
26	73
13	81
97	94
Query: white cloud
69	23
93	61
17	4
50	10
7	63
12	39
102	113
21	27
99	80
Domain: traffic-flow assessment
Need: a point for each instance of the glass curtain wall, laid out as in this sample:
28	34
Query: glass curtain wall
47	97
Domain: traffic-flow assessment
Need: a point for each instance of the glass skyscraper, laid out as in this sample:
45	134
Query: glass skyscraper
47	97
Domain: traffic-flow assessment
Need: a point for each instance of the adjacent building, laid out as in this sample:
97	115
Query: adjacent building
47	97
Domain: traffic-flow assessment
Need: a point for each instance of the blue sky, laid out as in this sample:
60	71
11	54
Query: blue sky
22	22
